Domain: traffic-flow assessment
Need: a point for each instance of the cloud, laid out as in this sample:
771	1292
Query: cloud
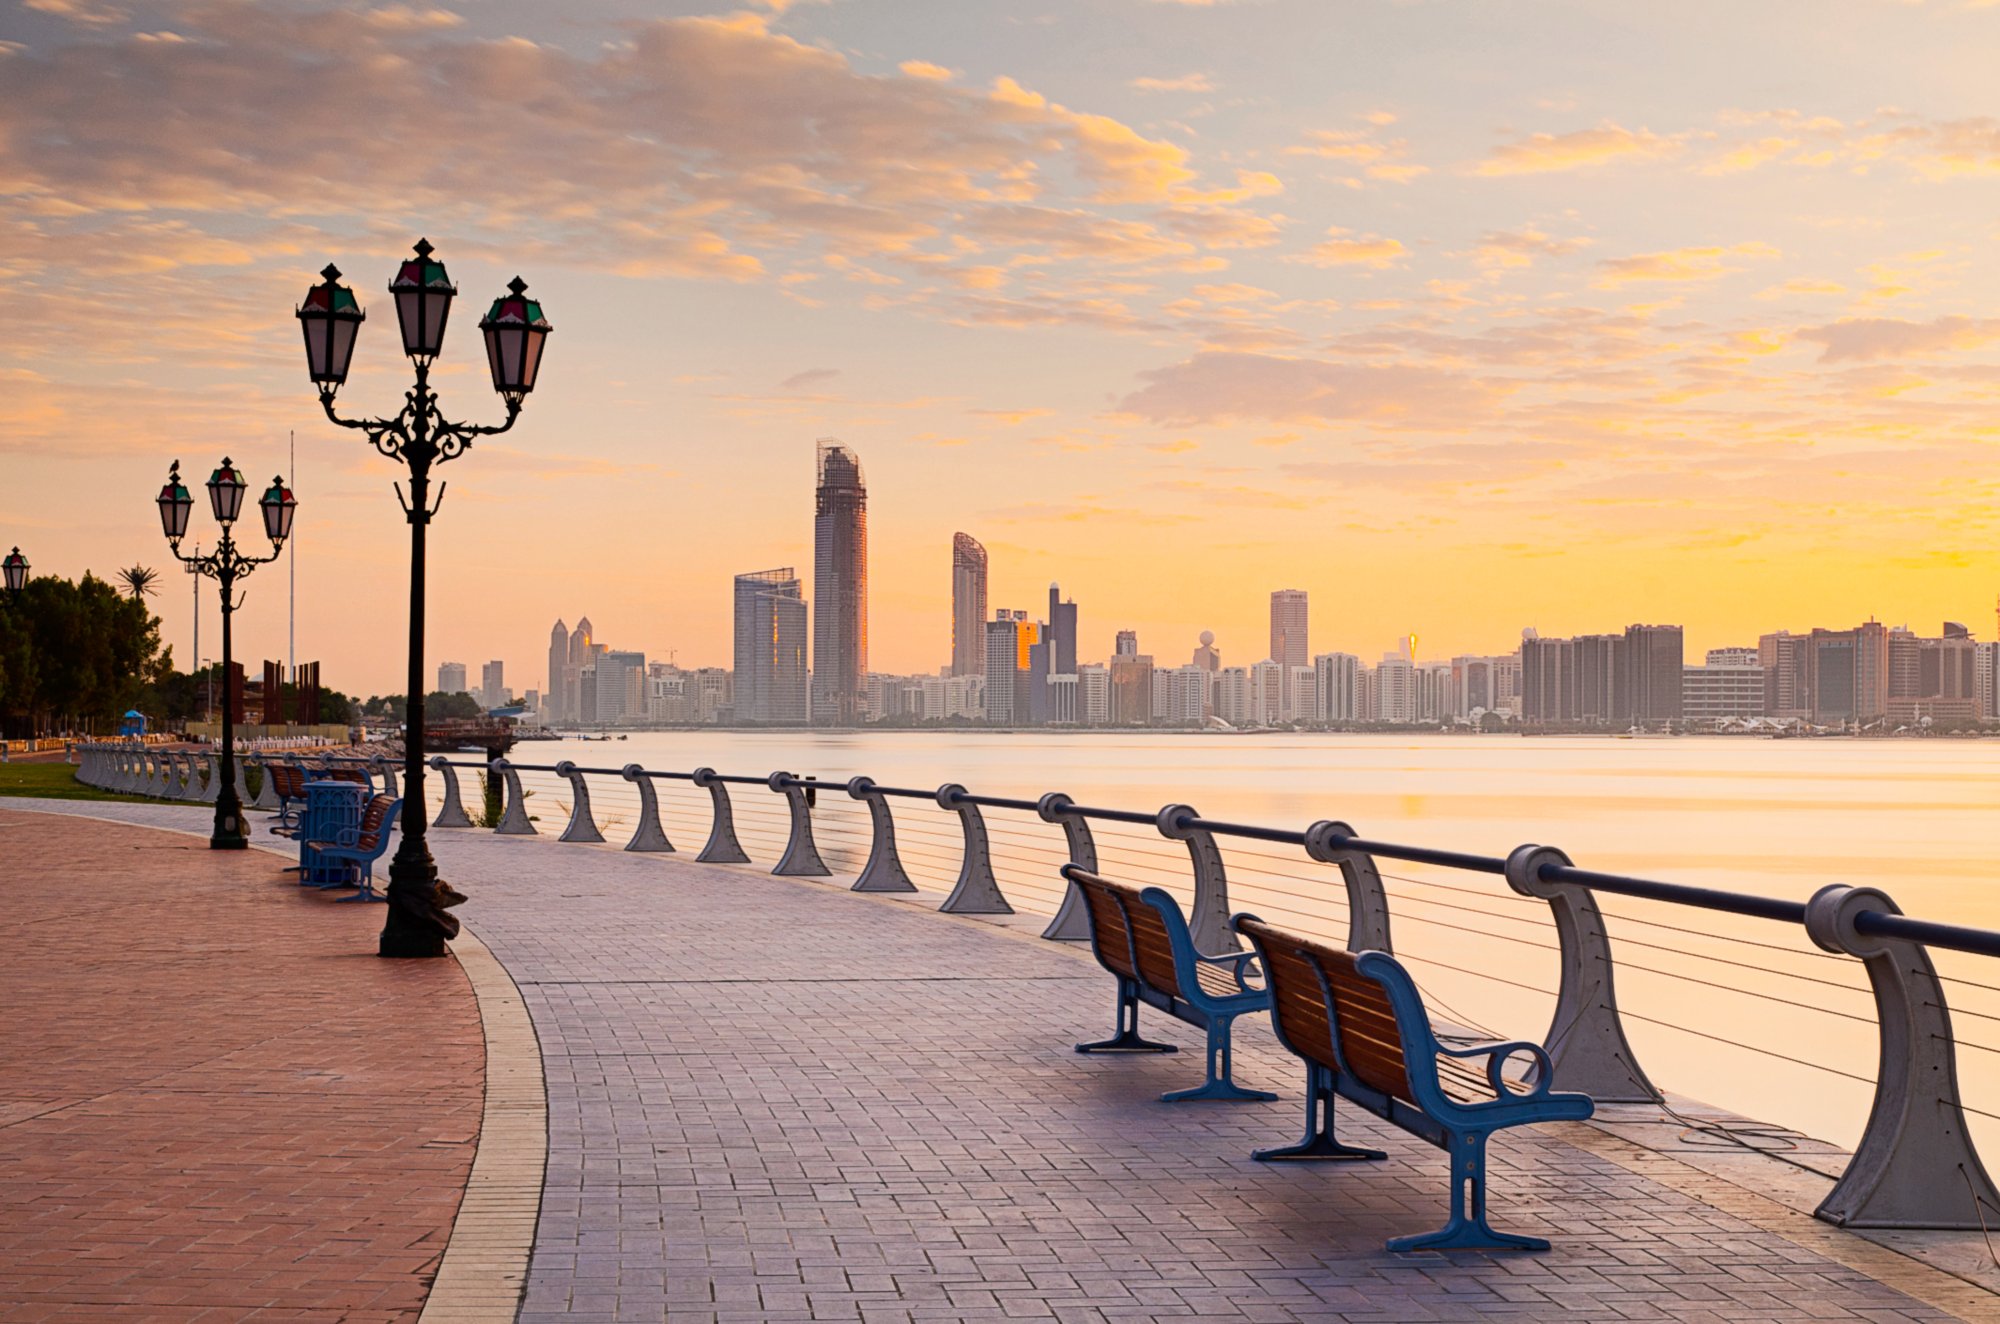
1520	248
1869	339
799	381
1376	157
1185	83
1677	264
1217	386
924	69
1343	248
1543	153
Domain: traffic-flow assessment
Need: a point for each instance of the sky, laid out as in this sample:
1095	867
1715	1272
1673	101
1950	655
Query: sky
1462	317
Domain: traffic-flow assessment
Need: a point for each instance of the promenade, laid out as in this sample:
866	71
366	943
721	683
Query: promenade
773	1099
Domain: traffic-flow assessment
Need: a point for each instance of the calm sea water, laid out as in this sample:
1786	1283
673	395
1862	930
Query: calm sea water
1715	1004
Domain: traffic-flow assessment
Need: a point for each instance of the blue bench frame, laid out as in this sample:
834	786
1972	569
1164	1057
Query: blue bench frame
346	846
1459	1128
1186	1000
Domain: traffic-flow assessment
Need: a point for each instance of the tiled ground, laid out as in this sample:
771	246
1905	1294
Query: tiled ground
214	1104
772	1100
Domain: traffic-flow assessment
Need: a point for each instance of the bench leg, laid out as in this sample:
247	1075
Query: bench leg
1319	1142
1127	1039
1467	1229
1218	1085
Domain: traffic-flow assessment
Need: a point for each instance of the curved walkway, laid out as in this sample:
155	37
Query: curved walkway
777	1100
215	1104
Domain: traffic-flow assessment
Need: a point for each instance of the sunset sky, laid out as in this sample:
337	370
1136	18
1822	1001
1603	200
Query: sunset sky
1463	317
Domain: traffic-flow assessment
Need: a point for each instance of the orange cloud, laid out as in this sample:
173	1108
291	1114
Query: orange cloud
1677	264
1869	339
1542	153
1345	248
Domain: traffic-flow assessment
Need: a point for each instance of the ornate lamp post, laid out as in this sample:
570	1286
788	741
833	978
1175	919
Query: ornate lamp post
418	922
15	568
225	565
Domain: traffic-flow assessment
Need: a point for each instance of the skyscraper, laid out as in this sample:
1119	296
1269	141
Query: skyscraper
770	678
968	606
558	661
1128	644
493	684
1288	637
579	658
1061	634
451	677
840	587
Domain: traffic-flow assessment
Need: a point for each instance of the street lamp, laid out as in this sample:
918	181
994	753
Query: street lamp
225	565
15	568
418	920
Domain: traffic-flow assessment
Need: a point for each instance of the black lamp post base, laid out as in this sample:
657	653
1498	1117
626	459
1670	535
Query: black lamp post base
228	833
228	843
417	923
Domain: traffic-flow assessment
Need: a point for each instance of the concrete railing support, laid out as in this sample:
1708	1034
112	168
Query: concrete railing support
884	871
649	835
1586	1042
1208	917
1367	903
1071	924
801	858
514	822
381	767
977	891
267	792
451	814
242	762
1915	1166
582	827
722	846
209	768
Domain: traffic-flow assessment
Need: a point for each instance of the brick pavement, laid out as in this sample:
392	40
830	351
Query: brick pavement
214	1103
774	1100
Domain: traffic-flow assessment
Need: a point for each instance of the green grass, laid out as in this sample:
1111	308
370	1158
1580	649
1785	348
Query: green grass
55	781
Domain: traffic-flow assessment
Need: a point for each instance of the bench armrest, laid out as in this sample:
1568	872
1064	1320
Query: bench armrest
1496	1055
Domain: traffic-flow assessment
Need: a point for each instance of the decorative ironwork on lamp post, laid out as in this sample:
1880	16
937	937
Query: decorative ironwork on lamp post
418	921
225	565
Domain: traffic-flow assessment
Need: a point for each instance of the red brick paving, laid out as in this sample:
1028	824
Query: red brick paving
215	1101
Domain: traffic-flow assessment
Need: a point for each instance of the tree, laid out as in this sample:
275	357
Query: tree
138	581
75	656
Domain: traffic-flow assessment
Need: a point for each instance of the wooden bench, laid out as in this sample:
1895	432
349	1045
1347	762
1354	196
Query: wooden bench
1142	938
363	845
1359	1023
288	784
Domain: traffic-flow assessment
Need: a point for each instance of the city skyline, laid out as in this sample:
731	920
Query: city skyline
1273	292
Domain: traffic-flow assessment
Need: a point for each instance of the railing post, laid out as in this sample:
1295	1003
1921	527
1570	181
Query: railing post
514	822
1586	1041
977	891
451	814
801	858
386	771
187	779
582	827
649	835
1208	917
884	870
267	790
1071	923
210	767
242	780
1915	1162
1367	903
722	846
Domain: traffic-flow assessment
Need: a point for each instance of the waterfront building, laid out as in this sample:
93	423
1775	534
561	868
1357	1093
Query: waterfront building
580	647
1206	655
451	677
1232	696
1009	637
1334	679
666	694
1162	699
840	587
1128	644
1131	685
1394	687
1983	683
1267	692
1727	687
714	693
1597	664
621	690
1847	674
1288	638
586	693
1301	694
1650	682
493	684
968	606
1063	698
1548	680
770	628
1432	701
1507	684
1188	696
1061	633
1093	684
558	664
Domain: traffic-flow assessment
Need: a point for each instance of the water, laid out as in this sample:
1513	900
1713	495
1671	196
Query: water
1777	818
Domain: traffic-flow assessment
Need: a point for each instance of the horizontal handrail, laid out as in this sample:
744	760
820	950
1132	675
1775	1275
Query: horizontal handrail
1701	898
1954	937
1107	815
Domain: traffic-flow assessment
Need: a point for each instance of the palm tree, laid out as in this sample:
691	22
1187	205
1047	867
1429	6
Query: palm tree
138	581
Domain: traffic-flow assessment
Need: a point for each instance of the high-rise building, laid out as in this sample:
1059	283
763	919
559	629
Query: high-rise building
1131	686
621	685
1093	684
1187	694
1731	685
579	657
1232	696
451	677
1267	692
968	606
1128	644
1649	682
493	684
558	663
770	675
1288	636
1061	634
1787	677
1395	689
1334	687
1548	680
1848	674
840	587
1206	655
1010	636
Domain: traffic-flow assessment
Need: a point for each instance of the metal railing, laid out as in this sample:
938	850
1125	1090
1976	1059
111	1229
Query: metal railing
1915	1166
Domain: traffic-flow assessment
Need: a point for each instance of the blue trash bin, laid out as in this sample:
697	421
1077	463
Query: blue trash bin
330	807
